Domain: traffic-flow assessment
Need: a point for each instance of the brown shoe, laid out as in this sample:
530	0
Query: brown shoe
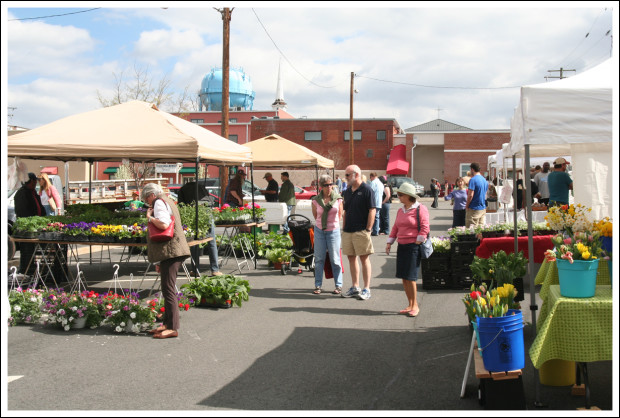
168	333
157	330
217	273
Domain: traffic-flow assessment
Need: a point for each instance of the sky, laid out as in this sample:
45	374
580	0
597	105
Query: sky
413	62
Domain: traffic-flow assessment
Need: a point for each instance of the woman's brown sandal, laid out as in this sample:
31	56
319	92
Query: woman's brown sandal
337	290
158	329
317	290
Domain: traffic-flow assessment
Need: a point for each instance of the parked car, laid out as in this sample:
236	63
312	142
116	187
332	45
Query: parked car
397	181
301	194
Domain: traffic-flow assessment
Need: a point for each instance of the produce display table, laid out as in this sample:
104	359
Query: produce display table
488	246
575	329
548	276
248	255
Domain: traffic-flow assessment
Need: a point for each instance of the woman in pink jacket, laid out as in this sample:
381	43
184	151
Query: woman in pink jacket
49	196
410	234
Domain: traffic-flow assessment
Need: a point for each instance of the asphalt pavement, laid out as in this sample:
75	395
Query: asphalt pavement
285	349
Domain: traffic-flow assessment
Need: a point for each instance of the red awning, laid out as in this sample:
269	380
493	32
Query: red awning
398	165
50	170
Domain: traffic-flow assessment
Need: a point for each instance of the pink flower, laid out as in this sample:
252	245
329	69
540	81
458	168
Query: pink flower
225	206
567	241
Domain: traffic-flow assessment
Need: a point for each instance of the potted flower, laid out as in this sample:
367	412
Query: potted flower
569	218
278	256
67	310
51	232
218	291
125	313
577	257
29	227
25	306
460	233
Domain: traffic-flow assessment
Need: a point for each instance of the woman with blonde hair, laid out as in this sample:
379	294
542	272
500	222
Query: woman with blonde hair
50	199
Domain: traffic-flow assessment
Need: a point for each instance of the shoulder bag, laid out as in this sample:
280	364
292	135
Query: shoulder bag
426	248
161	235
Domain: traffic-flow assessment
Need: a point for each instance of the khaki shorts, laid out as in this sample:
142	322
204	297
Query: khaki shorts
357	243
475	217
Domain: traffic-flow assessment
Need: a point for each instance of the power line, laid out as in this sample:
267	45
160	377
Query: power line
585	37
439	87
64	14
287	60
589	49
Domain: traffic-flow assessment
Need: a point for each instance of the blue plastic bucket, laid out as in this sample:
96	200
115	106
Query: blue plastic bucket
501	342
577	280
476	331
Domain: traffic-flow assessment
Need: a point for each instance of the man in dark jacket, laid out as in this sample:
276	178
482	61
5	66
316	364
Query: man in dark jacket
27	204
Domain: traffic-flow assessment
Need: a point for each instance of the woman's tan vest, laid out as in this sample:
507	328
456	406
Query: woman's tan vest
176	247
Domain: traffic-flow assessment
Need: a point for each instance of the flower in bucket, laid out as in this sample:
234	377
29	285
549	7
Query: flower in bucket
489	304
475	293
585	246
25	306
569	218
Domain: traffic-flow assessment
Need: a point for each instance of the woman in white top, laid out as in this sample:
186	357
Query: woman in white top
50	199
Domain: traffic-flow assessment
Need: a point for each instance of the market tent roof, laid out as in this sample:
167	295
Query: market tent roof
135	130
398	165
572	116
275	151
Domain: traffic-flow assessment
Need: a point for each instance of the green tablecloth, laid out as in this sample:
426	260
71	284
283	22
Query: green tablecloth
574	329
548	275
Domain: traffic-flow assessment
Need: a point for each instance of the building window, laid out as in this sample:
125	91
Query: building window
463	169
234	138
357	135
312	135
198	121
233	120
370	153
380	135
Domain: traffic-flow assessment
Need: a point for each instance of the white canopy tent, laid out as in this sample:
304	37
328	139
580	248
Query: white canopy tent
572	117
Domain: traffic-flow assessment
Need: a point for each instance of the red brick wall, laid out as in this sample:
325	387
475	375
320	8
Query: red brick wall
332	144
470	141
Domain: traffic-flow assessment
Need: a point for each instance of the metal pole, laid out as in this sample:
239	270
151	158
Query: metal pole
196	248
514	202
317	179
90	195
253	212
351	159
530	249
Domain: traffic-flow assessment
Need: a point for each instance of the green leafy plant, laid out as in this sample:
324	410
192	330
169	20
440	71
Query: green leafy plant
25	306
218	289
31	223
500	268
278	255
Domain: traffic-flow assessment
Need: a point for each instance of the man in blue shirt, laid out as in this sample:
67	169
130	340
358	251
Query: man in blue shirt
377	189
476	207
559	183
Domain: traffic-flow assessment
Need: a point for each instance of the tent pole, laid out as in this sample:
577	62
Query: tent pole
316	167
530	249
195	249
253	212
514	202
90	194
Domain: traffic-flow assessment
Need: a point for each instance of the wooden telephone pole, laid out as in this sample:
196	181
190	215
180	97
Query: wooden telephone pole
561	71
351	158
226	12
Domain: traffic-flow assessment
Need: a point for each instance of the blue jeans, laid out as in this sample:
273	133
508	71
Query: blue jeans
285	226
212	250
327	241
385	218
375	226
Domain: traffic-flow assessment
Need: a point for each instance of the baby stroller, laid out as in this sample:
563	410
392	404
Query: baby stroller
302	233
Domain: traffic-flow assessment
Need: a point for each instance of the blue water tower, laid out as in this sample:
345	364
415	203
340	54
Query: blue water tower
240	90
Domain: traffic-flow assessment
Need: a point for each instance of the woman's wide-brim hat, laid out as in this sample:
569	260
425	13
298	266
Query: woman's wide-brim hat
408	189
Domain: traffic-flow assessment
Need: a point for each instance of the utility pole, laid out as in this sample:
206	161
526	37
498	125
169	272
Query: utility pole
351	159
226	12
561	71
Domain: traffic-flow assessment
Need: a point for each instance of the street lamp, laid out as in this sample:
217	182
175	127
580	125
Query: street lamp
415	142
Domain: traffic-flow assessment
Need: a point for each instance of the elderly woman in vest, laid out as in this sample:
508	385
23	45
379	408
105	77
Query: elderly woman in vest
169	254
327	211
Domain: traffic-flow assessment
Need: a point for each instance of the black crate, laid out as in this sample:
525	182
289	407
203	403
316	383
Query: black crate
461	262
462	279
463	248
518	283
437	262
436	280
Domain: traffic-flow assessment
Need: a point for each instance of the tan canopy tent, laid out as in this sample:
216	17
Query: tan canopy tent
135	130
275	151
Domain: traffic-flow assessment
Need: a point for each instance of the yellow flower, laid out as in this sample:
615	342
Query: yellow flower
585	255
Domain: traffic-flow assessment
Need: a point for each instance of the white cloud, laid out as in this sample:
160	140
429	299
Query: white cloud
161	44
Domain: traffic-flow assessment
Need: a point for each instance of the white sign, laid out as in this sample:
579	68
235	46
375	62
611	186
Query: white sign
166	168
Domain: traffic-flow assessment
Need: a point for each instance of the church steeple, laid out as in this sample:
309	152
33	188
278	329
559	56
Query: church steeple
279	103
